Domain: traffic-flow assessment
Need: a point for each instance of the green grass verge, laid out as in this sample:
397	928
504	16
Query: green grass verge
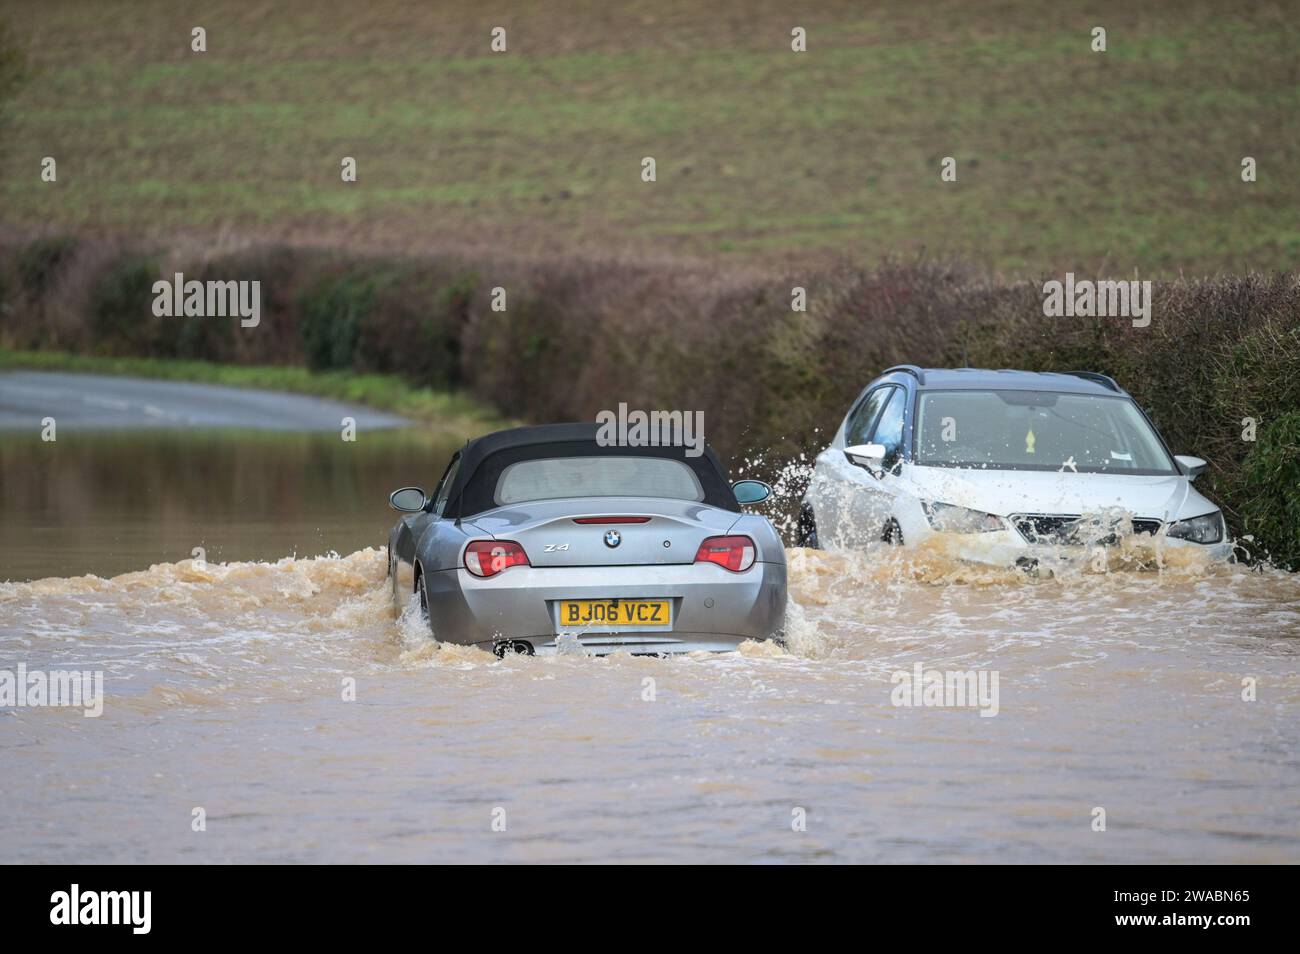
446	412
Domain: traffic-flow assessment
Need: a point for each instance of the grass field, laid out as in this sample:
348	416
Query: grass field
1099	162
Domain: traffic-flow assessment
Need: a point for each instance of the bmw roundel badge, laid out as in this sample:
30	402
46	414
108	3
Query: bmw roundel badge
613	538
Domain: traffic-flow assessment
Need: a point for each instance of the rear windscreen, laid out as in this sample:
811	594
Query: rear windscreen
554	477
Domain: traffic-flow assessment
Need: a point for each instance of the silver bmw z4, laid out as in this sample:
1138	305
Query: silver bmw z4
540	537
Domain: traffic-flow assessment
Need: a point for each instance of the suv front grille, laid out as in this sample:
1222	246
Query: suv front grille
1073	530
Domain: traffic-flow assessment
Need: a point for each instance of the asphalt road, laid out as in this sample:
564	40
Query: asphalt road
99	402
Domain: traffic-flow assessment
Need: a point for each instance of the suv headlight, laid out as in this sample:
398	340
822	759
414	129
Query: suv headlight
948	518
1205	529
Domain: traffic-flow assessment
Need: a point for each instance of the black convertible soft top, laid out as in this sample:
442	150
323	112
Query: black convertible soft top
484	458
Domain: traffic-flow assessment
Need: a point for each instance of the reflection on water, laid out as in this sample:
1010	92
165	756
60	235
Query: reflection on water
226	688
106	503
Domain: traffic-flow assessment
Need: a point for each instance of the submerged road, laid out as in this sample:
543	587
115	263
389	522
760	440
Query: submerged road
93	401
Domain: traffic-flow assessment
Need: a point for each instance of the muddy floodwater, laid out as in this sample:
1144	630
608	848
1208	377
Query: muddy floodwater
1162	703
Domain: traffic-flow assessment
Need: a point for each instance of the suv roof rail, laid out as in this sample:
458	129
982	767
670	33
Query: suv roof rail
1104	380
911	369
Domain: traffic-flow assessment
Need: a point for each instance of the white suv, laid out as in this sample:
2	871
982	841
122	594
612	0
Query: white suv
1003	467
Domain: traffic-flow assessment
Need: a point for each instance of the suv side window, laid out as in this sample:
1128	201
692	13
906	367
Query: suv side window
889	429
864	415
444	486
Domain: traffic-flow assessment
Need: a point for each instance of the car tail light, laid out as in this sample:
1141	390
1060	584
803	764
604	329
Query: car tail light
489	557
733	553
611	519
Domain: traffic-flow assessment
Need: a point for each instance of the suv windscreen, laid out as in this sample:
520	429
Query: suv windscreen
1037	430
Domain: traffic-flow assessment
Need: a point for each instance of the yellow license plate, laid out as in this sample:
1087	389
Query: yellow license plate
615	612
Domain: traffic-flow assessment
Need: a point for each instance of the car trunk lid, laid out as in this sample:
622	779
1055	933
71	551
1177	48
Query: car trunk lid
614	531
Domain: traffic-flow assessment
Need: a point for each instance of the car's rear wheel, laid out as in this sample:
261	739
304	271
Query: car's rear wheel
806	531
892	534
424	597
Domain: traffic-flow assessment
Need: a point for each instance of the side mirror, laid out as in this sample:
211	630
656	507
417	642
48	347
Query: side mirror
1192	467
751	491
870	456
408	500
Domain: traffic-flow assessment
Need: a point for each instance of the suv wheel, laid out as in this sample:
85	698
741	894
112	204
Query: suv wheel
806	534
